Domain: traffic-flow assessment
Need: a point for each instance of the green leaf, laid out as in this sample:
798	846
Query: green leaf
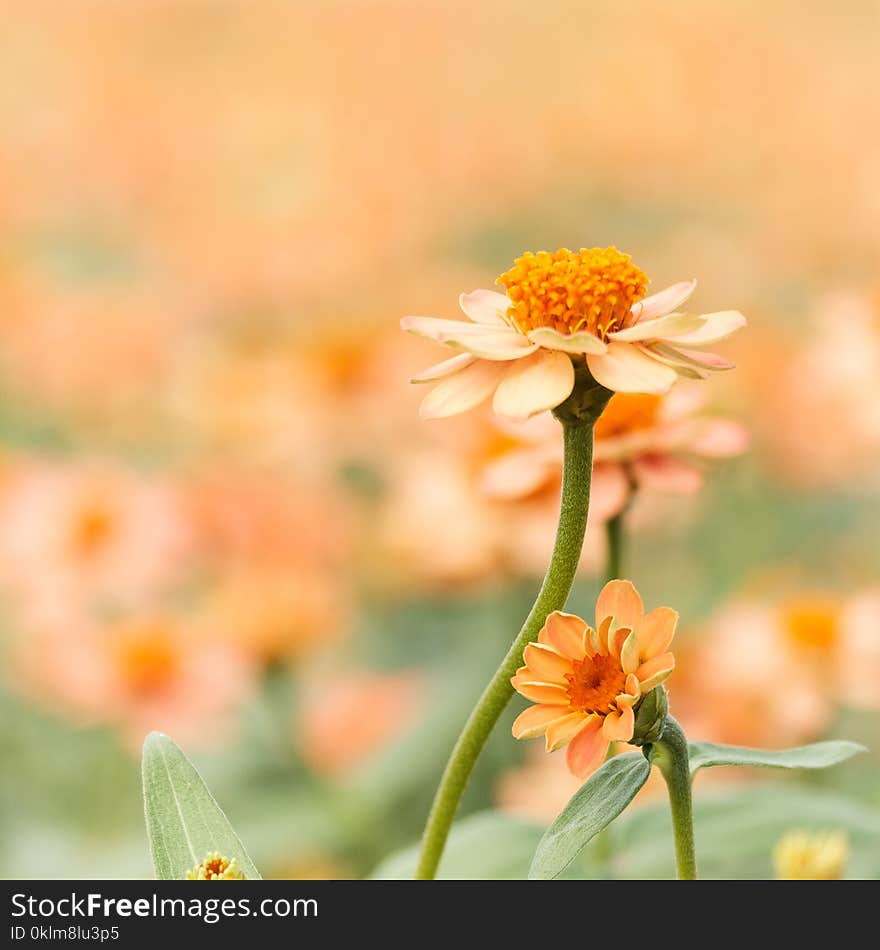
488	845
819	755
596	804
184	822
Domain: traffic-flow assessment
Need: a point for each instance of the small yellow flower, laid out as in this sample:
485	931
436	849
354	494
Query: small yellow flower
586	681
216	868
817	856
568	307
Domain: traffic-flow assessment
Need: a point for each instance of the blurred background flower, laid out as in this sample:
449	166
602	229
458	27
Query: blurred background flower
221	515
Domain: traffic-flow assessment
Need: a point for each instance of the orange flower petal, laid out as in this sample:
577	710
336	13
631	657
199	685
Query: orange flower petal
537	692
599	637
617	640
588	749
564	730
619	599
656	631
629	654
533	721
619	726
652	672
565	632
548	665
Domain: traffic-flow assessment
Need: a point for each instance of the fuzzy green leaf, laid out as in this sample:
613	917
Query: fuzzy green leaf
818	755
596	804
184	822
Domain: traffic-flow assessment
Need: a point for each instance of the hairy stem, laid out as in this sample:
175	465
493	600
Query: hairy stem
577	471
671	757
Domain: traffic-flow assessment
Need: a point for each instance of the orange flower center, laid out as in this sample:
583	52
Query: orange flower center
148	659
594	684
91	531
570	291
626	413
812	623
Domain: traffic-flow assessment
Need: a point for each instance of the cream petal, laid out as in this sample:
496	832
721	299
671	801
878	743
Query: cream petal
587	751
488	342
620	600
717	326
626	368
547	665
567	342
665	301
698	360
619	726
466	389
652	672
565	633
660	328
533	721
564	730
533	385
655	632
485	306
444	369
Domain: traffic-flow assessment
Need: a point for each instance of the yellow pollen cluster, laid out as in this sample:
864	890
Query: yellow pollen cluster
569	291
594	684
626	413
215	868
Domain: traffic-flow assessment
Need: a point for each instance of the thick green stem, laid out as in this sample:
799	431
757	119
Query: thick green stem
671	757
577	471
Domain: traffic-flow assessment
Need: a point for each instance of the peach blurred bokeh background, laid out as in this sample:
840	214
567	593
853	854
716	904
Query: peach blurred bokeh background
221	515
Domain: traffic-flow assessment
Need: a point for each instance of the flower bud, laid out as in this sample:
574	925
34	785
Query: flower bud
650	717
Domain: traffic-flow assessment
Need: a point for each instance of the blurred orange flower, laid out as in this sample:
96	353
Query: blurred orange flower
343	722
90	531
655	442
143	672
585	681
825	648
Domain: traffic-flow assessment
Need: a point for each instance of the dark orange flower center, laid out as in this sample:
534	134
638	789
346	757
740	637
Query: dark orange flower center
148	659
813	623
91	531
591	289
594	684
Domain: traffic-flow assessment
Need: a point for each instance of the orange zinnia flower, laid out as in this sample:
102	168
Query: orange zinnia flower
585	682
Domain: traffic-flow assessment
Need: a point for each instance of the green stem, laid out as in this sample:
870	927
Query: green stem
614	539
671	757
576	474
614	544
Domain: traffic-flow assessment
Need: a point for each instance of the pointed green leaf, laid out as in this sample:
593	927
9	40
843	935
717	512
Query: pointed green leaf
596	804
184	822
819	755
